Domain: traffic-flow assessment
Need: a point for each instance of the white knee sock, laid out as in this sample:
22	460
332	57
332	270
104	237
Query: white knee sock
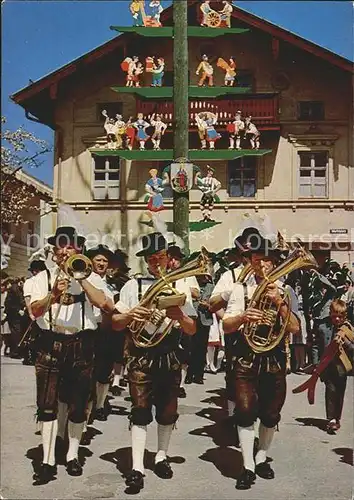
116	380
219	358
210	357
49	434
88	414
138	446
39	426
62	418
230	407
246	437
265	440
184	374
163	440
256	428
101	394
75	433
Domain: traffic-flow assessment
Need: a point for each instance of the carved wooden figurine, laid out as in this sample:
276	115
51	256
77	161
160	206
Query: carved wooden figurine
211	18
230	70
134	69
206	128
154	187
110	127
207	72
141	125
226	13
235	130
160	128
156	9
252	133
209	186
137	9
158	71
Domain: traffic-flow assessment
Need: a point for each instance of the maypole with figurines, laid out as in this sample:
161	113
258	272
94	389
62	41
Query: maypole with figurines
181	116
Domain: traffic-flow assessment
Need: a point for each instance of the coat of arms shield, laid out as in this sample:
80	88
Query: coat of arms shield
181	174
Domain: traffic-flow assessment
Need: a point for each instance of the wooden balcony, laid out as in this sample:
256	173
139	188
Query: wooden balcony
263	108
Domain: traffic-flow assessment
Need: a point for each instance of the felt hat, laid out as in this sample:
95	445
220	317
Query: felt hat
152	243
66	234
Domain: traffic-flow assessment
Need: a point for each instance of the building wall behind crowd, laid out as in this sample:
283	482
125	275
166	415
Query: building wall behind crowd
25	238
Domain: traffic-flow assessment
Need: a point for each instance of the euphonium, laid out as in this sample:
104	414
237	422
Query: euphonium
161	294
265	335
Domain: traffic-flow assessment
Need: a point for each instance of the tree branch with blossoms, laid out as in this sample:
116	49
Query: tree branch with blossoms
19	149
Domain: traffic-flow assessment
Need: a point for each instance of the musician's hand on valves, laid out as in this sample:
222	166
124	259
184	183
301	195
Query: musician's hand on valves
139	313
272	292
252	314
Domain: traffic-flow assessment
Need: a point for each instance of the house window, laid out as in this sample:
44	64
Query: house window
313	174
311	110
112	108
106	177
242	177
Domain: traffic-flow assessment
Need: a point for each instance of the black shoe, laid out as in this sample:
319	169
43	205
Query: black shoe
182	393
123	382
246	480
198	381
188	380
100	414
265	471
135	481
45	473
85	439
74	468
163	469
116	391
15	355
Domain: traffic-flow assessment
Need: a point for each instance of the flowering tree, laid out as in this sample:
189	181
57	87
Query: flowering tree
19	149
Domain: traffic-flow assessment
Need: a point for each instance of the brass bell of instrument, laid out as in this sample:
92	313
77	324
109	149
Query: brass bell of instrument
78	266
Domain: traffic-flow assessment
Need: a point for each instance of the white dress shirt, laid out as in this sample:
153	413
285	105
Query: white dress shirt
129	298
226	283
236	303
69	318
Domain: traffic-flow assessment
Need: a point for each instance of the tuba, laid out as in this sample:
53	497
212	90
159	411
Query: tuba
264	336
160	295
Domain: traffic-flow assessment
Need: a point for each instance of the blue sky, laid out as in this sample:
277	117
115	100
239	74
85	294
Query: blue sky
41	36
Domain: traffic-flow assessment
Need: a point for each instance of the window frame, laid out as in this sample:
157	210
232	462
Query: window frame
242	178
313	168
301	115
106	182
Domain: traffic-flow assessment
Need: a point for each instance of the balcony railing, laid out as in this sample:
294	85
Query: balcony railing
264	111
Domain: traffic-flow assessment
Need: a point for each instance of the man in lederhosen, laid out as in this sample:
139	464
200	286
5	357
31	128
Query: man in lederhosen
102	258
259	379
118	279
154	373
64	310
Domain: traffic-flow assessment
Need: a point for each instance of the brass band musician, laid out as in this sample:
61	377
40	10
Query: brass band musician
259	379
154	373
64	310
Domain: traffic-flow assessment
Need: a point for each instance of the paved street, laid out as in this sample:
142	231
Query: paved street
308	463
